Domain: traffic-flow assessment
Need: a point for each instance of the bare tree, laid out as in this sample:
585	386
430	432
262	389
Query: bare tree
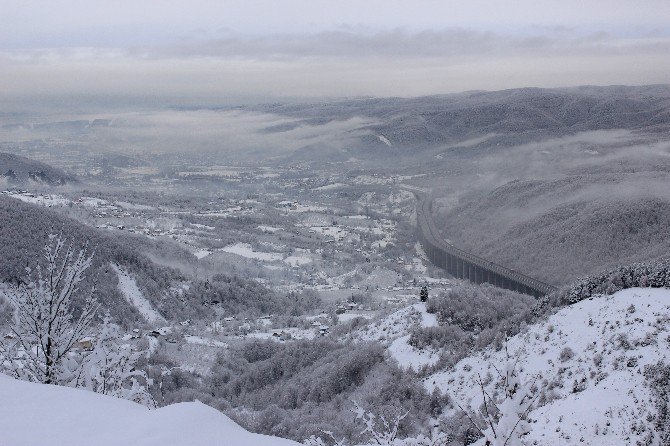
383	432
318	441
379	429
505	416
44	327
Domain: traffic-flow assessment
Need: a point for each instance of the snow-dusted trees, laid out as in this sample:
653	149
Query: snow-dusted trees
382	431
110	368
45	330
657	378
44	327
654	275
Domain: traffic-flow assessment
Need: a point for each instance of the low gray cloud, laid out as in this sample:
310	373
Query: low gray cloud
401	43
345	62
361	43
339	44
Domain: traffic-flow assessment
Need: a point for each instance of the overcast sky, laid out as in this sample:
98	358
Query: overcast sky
222	49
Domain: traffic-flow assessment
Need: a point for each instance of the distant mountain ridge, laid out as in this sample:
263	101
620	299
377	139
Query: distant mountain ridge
433	121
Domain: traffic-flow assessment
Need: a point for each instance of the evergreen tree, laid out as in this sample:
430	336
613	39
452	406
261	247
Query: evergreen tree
423	295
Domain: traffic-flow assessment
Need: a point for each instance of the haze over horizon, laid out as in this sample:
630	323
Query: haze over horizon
251	50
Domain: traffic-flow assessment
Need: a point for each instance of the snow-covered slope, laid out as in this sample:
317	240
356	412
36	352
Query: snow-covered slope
134	296
394	332
38	414
589	360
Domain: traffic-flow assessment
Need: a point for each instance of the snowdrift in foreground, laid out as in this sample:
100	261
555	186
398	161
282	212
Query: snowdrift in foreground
37	414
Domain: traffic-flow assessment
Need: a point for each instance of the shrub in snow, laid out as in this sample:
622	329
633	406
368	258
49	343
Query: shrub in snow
579	386
318	441
308	381
44	328
476	308
566	354
472	317
657	377
381	431
505	417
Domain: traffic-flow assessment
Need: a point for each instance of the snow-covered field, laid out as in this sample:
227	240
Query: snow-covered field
39	414
329	186
191	339
202	253
245	250
42	200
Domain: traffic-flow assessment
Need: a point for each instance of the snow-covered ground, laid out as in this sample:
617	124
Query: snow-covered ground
384	139
134	296
48	200
588	359
202	253
39	414
409	357
329	186
388	328
394	332
203	341
427	319
245	250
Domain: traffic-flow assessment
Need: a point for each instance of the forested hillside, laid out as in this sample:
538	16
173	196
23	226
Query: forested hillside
559	230
510	116
18	170
24	229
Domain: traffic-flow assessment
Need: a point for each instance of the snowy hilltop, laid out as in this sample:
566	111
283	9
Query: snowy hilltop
593	367
31	414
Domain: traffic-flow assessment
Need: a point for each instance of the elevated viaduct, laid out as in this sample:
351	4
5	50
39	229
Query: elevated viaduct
464	265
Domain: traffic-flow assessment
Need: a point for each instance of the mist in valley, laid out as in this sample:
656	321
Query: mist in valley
334	223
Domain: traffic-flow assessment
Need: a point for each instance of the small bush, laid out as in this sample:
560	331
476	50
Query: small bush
566	354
